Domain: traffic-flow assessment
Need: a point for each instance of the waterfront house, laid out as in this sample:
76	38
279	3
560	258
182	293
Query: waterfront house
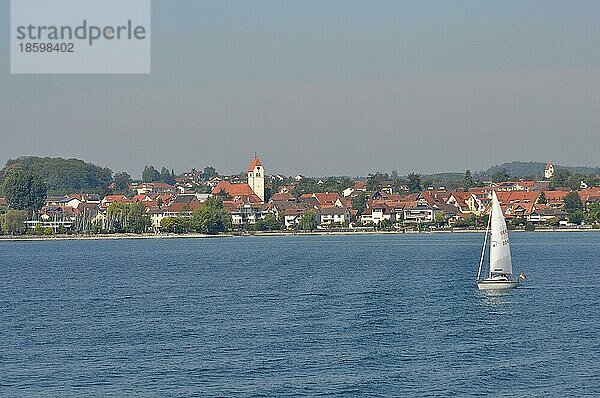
419	213
544	213
247	213
329	215
466	202
378	211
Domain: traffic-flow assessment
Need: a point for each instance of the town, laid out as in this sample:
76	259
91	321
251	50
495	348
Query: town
209	203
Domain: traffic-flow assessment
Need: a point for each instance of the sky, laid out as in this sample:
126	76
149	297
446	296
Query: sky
327	88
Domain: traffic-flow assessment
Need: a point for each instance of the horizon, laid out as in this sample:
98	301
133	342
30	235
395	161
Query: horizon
136	175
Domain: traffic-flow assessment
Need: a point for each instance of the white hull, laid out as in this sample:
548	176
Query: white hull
490	284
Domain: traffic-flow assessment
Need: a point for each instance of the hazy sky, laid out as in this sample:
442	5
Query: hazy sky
328	88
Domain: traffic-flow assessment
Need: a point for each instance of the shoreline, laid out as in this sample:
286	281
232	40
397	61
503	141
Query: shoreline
32	238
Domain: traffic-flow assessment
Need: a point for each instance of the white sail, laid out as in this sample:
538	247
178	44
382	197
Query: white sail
500	260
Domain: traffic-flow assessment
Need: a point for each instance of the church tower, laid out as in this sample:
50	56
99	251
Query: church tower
256	178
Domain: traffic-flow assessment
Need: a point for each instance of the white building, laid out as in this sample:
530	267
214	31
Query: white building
331	215
256	178
549	171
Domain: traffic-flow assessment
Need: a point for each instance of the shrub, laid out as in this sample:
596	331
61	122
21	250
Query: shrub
529	227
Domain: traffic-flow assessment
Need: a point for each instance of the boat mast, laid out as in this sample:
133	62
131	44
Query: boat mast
484	245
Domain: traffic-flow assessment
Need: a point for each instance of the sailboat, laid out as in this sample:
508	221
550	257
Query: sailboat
500	272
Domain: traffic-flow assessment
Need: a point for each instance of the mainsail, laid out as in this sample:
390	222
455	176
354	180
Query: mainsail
500	261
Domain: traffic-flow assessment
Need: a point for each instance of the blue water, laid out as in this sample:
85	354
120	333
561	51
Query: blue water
385	315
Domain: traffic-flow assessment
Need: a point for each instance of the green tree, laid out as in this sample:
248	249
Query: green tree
440	219
64	176
308	221
14	222
468	180
464	222
212	218
177	225
359	202
594	180
209	172
167	176
574	181
385	224
542	198
501	176
530	227
128	217
427	182
593	213
150	174
374	181
137	220
268	223
573	202
414	182
24	190
122	181
576	217
559	178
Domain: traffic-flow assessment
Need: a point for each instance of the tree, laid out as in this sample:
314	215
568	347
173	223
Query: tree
128	217
374	181
464	222
594	180
308	221
576	217
530	227
573	202
268	223
542	198
440	219
209	172
385	224
122	181
501	176
137	220
359	202
574	181
14	222
212	218
468	180
150	174
593	213
331	184
414	182
427	182
559	178
167	176
24	190
64	176
177	225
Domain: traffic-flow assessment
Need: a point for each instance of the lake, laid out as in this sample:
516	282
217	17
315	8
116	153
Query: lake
368	315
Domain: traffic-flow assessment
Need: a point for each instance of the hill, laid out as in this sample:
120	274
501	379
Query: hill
535	169
65	175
